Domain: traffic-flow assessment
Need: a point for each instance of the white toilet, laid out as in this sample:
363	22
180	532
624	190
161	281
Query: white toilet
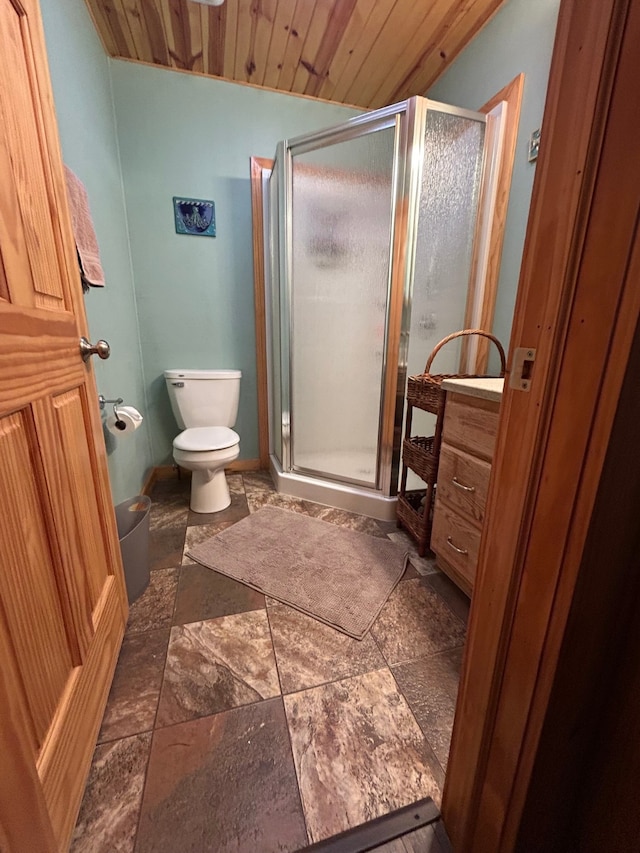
205	405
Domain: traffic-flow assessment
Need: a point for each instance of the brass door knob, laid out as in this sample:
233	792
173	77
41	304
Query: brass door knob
87	349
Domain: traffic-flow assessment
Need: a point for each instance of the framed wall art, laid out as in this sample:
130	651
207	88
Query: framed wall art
195	216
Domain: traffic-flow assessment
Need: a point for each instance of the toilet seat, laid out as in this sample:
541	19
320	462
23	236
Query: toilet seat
202	439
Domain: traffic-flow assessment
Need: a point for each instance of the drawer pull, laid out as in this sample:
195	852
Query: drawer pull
455	547
462	486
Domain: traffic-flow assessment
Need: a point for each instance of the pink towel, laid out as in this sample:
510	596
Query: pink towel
83	230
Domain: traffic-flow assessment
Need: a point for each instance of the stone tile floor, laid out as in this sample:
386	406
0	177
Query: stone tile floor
237	723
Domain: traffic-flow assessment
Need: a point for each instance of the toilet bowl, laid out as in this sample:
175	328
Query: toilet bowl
205	405
205	451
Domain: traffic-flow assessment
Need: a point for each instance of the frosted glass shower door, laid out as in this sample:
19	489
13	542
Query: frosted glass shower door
447	215
341	219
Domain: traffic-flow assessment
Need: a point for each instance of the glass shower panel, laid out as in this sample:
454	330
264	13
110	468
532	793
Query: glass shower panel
273	297
341	244
451	175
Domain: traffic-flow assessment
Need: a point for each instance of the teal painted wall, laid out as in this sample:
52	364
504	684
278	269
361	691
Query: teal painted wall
518	39
84	107
181	134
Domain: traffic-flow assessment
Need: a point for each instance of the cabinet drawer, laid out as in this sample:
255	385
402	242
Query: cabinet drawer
463	481
452	534
471	424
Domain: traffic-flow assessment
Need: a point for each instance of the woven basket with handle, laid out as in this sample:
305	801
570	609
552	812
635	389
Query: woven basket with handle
425	390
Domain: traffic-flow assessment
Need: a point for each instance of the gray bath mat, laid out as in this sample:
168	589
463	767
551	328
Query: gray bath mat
338	576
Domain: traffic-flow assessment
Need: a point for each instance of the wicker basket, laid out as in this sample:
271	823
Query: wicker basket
418	454
411	513
425	390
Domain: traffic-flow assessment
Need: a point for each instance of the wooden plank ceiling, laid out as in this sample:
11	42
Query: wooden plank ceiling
367	53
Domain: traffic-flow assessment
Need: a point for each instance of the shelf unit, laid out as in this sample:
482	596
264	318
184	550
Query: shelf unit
421	454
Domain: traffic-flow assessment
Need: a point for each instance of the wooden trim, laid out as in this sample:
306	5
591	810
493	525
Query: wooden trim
602	627
243	83
244	465
601	325
174	472
511	94
532	492
165	472
150	481
258	164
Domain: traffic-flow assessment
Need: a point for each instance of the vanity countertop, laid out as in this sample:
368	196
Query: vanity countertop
489	388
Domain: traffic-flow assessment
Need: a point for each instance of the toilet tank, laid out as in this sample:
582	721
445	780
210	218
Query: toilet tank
204	397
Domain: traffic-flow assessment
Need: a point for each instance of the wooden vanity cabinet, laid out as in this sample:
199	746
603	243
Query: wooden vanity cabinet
468	440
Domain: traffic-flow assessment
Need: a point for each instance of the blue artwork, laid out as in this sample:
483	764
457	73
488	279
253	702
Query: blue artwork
195	216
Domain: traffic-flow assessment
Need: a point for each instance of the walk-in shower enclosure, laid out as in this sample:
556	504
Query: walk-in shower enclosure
370	242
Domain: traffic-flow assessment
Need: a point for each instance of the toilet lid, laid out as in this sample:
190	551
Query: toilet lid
206	438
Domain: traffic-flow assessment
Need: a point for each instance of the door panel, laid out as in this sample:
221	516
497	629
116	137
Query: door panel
21	113
62	596
27	582
73	498
24	820
64	759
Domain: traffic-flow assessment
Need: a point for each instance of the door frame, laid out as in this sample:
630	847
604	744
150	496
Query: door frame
578	308
258	165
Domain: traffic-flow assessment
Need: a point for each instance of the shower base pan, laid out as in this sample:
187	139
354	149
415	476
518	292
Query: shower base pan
330	493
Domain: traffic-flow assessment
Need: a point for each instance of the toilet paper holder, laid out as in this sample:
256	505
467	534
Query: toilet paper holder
118	402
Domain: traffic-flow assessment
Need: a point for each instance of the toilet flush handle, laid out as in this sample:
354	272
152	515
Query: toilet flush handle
178	384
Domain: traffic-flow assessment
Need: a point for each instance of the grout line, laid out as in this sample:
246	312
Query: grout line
171	626
144	788
260	701
164	671
286	721
376	668
273	646
338	680
373	636
428	655
166	631
297	775
421	730
155	718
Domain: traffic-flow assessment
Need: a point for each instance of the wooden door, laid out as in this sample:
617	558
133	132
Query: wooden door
62	597
538	601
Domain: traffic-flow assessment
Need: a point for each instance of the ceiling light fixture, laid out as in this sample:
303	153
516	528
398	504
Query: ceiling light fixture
210	2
